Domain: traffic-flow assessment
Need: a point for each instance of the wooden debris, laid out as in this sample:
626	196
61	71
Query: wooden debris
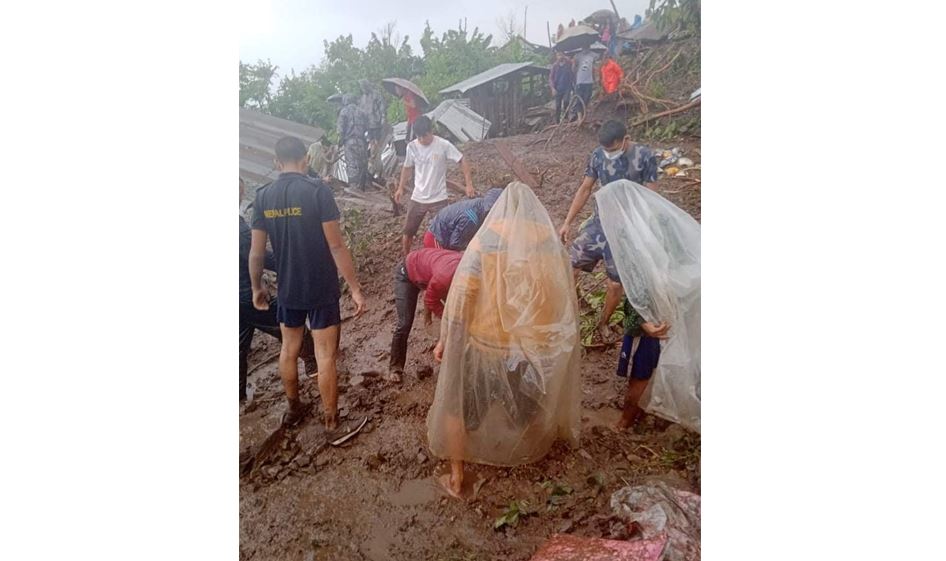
521	172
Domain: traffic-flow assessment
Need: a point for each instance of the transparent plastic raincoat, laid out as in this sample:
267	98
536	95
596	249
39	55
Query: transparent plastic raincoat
509	382
656	249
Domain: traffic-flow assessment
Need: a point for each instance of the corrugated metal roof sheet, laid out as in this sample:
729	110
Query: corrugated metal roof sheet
646	32
460	120
490	75
258	135
457	117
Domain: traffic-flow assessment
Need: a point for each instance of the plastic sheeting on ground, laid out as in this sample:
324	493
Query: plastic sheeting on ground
565	547
656	249
509	382
659	510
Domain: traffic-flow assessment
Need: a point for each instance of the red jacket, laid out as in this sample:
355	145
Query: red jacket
410	107
431	270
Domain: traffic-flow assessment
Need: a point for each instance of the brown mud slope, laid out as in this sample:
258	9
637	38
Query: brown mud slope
376	498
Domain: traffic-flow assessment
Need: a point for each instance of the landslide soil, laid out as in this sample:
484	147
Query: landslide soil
376	498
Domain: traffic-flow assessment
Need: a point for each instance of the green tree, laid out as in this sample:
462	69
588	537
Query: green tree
447	59
680	15
255	82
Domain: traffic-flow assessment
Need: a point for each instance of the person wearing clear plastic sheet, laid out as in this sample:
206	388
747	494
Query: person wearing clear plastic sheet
655	246
509	383
616	158
640	358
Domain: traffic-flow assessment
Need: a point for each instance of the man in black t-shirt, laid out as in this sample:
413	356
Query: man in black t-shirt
299	215
251	319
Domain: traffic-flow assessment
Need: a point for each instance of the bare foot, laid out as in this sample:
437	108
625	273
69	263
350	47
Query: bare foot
628	420
450	487
331	421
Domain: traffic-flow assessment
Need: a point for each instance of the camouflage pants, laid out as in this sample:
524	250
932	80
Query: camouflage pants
356	162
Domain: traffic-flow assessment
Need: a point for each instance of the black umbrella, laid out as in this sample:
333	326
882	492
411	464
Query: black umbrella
390	83
577	37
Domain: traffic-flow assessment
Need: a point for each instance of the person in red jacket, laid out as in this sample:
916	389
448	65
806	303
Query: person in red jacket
411	108
430	270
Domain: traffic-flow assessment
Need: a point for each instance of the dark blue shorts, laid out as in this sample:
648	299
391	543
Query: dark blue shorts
644	360
319	318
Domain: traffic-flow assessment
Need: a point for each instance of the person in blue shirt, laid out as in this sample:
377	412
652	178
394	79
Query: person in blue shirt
455	225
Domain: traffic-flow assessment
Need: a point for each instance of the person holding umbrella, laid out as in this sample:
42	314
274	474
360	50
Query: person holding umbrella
584	76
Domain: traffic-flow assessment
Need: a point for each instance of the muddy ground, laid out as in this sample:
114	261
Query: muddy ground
376	498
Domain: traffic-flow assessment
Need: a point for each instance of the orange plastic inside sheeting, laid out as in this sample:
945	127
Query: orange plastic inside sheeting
564	547
611	76
509	380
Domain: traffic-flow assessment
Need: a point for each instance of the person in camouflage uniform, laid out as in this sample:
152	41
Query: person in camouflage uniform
373	106
616	158
352	125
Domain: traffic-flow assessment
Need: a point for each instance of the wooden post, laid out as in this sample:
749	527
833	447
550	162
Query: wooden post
525	20
615	10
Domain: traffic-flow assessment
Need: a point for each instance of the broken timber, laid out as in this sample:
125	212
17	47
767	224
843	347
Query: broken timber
521	172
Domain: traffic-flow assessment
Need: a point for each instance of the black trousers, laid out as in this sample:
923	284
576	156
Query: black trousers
252	319
405	300
584	92
561	103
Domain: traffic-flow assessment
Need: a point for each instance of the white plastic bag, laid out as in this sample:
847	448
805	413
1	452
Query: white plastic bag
656	249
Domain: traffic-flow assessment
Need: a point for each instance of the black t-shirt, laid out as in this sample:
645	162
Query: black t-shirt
246	287
292	210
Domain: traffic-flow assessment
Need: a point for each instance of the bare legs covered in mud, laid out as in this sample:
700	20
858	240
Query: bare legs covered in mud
326	341
632	410
453	481
612	298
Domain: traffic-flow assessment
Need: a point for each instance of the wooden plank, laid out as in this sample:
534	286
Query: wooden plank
521	172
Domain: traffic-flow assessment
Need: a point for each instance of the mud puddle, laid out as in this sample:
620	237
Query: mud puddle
416	492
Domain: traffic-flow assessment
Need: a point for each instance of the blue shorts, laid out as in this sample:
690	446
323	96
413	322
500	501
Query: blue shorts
319	318
644	360
590	247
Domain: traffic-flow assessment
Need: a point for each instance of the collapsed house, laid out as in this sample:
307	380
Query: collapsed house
504	94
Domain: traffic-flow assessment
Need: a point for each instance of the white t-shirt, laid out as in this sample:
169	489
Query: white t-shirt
430	168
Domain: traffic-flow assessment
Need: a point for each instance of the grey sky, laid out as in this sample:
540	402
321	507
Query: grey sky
290	32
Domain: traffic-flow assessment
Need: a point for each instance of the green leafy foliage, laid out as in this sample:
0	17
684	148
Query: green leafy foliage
588	319
512	514
255	82
682	15
449	58
558	492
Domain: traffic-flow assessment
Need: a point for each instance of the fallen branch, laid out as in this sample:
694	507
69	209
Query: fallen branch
674	111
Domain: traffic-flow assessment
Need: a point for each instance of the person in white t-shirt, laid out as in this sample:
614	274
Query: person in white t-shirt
427	157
